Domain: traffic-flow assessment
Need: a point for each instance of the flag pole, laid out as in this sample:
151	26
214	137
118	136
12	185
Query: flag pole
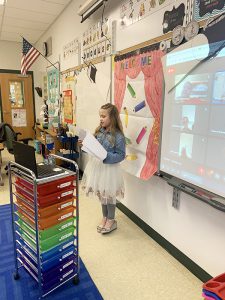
48	60
42	55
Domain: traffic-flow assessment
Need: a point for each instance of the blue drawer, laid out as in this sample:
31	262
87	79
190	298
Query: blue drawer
50	263
58	249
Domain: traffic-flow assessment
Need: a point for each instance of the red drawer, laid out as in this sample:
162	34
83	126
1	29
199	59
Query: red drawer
49	187
49	210
47	200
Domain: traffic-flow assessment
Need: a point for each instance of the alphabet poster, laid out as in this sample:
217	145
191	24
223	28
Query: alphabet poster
96	41
132	11
138	88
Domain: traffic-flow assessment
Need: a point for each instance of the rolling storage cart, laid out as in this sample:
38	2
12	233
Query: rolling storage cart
45	222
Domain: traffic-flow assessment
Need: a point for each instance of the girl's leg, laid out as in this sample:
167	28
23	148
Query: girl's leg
111	223
111	211
104	210
104	219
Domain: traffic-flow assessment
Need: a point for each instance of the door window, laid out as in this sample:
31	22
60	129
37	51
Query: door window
16	94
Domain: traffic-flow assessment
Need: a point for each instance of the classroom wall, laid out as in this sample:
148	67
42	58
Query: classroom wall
10	55
195	228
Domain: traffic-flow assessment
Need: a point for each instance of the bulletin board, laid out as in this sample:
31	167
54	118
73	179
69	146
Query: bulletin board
91	96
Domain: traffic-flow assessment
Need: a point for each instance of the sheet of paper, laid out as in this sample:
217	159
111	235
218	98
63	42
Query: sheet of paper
93	147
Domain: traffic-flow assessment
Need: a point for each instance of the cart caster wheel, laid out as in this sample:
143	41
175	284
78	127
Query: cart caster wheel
16	276
76	279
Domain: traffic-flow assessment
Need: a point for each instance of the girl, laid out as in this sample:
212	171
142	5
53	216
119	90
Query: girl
104	178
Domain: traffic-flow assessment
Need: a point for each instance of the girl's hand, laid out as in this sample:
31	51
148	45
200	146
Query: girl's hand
80	143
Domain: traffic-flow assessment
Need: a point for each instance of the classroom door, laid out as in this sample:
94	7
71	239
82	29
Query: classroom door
17	103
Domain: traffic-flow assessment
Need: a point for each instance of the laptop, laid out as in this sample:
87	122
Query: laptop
25	156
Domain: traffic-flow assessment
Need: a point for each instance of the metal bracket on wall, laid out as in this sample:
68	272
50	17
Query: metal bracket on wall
176	198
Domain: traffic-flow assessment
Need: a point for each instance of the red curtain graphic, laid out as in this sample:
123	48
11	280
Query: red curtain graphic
153	86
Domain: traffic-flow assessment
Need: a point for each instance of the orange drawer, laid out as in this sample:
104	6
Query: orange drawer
49	187
49	210
44	223
47	200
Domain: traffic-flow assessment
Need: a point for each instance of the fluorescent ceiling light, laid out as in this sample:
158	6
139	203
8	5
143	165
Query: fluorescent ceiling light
2	2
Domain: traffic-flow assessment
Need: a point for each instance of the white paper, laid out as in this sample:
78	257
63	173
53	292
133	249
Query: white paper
92	146
19	118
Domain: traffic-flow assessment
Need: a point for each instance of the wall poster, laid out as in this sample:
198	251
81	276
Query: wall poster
133	11
53	97
207	8
96	41
68	101
138	92
71	48
68	106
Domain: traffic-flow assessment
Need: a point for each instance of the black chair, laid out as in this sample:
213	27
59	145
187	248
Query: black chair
8	135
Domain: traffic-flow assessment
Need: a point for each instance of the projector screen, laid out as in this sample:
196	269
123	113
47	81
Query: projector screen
193	129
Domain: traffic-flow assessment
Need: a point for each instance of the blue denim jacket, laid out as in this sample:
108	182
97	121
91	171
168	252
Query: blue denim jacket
115	153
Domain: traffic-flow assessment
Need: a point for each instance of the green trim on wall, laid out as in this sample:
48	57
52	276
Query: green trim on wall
176	253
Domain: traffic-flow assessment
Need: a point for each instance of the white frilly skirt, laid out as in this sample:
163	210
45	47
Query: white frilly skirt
103	180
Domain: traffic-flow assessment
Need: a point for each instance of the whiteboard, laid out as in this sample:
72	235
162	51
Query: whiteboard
91	96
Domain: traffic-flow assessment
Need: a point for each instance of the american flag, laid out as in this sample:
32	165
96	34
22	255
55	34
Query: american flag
29	55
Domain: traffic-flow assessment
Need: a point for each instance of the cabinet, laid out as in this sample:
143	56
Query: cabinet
45	214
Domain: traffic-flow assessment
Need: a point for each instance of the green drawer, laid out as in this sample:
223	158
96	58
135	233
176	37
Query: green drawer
51	242
57	239
45	234
48	238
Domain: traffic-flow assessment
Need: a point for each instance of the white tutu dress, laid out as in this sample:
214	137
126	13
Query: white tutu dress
103	180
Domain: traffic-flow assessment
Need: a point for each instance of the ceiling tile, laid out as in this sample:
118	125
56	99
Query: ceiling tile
29	18
64	2
28	15
36	6
25	23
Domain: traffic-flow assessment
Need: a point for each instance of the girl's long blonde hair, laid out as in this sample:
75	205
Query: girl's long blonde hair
116	124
